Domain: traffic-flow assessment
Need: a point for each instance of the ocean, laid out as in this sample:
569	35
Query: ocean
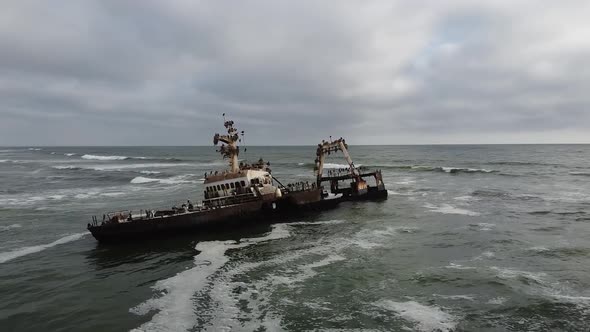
471	238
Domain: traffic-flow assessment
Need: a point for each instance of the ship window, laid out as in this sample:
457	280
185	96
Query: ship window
218	188
243	183
237	185
208	189
227	186
232	185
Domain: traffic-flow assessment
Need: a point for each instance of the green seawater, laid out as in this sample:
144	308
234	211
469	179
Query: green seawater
471	238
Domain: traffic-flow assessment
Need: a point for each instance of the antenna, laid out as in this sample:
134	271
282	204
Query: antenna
244	140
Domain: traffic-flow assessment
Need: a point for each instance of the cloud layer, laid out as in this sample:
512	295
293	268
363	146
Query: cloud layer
293	72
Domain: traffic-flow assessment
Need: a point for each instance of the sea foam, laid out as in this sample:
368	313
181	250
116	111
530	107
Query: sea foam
10	255
176	307
449	209
424	318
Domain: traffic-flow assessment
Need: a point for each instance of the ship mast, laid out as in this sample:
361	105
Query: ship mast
231	150
333	146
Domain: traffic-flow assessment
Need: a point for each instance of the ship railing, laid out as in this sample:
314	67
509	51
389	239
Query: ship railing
300	186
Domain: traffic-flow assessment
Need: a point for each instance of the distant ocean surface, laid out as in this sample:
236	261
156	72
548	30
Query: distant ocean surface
472	238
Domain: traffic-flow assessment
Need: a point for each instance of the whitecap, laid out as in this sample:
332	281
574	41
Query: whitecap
331	165
132	166
484	226
149	172
95	157
424	318
485	254
180	179
507	273
449	209
459	267
10	255
326	222
9	227
68	167
468	297
539	249
497	300
35	149
70	154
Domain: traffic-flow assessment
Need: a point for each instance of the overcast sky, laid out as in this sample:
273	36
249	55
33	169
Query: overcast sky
115	72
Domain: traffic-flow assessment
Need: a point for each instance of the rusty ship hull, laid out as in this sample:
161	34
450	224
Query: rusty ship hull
207	220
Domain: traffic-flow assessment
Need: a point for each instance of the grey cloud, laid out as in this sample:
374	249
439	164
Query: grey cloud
162	72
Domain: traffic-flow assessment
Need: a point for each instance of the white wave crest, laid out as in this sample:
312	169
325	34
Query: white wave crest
507	273
424	318
180	179
132	166
449	209
10	255
468	297
326	222
149	172
95	157
70	167
69	154
497	300
331	165
9	227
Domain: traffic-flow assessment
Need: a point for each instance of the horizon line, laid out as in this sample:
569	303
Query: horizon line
286	145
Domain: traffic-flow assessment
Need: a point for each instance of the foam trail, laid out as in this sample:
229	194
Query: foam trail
176	309
425	318
326	222
10	255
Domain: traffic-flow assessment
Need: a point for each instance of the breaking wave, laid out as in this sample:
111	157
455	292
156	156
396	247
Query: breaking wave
9	227
111	158
115	167
95	157
37	199
10	255
422	317
180	179
449	209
